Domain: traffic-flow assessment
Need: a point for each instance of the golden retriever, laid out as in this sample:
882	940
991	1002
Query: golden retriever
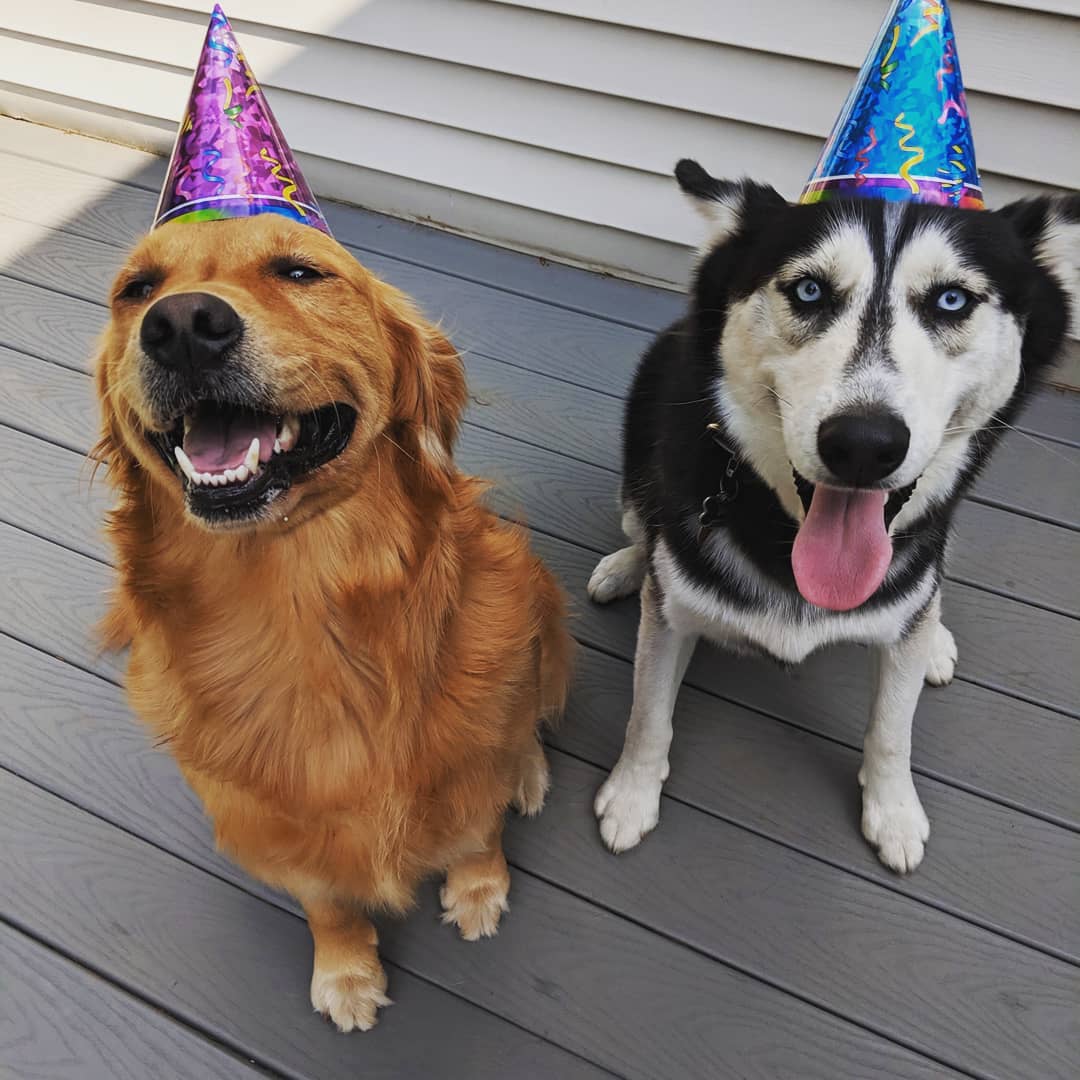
347	653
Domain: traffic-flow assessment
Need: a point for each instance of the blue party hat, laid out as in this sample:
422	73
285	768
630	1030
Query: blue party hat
904	132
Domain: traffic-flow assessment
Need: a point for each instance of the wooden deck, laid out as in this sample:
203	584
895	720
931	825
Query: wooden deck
755	935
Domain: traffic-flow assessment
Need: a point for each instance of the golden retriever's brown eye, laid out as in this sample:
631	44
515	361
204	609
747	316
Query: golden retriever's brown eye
298	272
138	288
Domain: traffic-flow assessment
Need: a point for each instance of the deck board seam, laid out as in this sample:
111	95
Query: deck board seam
971	680
680	800
974	497
585	546
1016	695
272	901
250	1060
669	937
521	294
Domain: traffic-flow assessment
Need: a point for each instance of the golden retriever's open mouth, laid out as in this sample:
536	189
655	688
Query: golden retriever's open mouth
233	460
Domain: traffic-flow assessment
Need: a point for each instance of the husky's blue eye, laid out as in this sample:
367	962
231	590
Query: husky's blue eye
809	290
952	300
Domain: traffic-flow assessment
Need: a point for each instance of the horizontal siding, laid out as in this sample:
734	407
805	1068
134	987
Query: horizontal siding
547	124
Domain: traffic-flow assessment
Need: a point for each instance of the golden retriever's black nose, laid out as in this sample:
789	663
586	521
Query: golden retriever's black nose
860	448
190	332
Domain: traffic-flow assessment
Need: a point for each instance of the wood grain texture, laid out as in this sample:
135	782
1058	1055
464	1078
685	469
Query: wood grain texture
980	1004
1005	645
967	750
601	985
998	867
226	962
63	1023
565	346
991	549
107	769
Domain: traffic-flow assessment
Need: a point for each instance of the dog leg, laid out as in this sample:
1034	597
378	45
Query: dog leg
474	896
893	819
943	653
622	572
348	984
628	804
535	780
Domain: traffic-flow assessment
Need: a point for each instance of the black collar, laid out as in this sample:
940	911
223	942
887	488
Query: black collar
715	508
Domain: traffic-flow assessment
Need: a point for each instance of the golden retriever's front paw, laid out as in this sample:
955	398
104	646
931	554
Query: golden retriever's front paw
475	909
351	999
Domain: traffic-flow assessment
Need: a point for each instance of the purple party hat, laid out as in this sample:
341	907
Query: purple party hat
230	159
904	132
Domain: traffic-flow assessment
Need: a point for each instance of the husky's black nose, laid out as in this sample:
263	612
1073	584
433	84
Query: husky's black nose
861	448
190	332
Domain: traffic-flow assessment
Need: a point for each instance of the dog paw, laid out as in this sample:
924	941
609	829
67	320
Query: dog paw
351	999
617	575
533	788
894	822
628	805
474	909
942	663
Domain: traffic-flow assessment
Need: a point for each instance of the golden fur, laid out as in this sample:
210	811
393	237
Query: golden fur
353	685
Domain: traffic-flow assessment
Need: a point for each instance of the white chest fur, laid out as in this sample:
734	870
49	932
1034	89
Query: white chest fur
786	628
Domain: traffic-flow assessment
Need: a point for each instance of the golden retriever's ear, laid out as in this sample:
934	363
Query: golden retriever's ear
109	450
429	390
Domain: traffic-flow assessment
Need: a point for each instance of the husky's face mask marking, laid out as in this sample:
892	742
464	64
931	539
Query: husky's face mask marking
858	346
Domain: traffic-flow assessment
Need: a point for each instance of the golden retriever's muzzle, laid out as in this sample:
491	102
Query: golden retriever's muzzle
234	450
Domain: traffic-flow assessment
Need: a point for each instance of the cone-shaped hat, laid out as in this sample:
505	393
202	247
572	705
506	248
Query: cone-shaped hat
904	133
230	159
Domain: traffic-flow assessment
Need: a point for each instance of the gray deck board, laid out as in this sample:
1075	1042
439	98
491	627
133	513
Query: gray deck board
1038	646
754	935
225	962
564	951
1039	855
1030	560
562	342
63	1023
64	329
28	495
767	903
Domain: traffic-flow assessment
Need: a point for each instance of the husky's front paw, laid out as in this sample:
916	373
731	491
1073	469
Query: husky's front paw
942	663
617	575
894	822
628	804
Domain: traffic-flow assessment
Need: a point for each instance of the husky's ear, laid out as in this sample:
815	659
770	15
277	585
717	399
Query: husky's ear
1049	227
726	205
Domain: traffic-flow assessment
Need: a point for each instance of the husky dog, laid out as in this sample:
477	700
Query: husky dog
795	446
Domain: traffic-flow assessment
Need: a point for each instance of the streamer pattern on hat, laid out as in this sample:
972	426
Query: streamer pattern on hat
230	158
904	132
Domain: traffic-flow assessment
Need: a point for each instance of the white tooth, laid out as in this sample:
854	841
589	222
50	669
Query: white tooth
230	475
206	478
290	430
277	446
242	473
220	480
185	463
252	459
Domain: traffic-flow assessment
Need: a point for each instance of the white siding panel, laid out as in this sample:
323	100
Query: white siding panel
545	124
1025	54
556	115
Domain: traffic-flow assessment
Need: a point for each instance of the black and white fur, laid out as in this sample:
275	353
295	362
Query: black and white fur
751	361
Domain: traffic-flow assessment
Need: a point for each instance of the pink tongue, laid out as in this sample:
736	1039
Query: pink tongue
218	440
842	552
